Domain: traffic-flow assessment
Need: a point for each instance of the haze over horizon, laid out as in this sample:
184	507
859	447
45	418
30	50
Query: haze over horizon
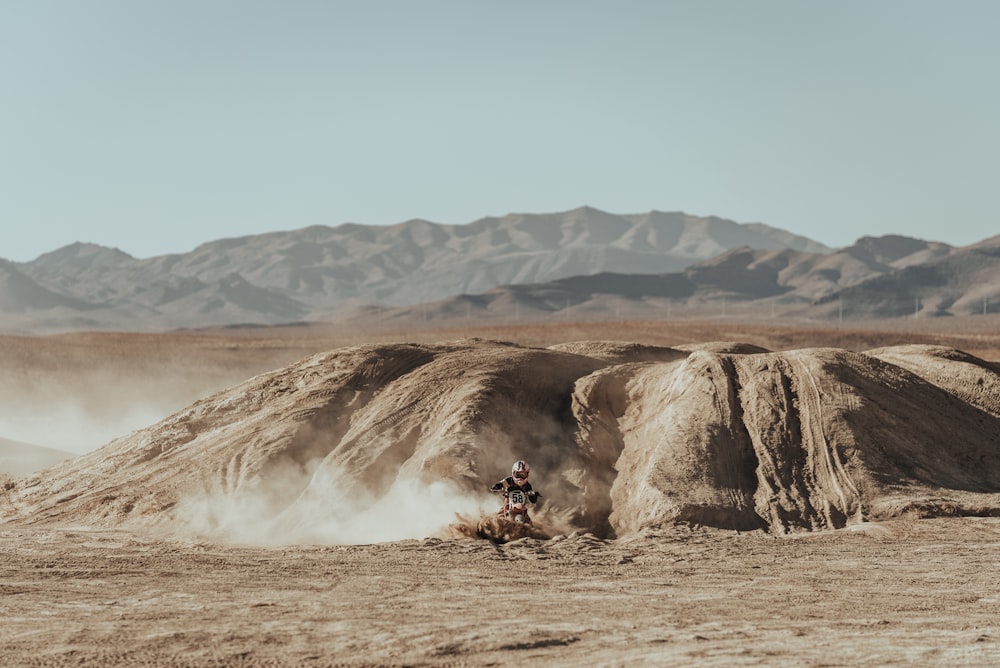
156	127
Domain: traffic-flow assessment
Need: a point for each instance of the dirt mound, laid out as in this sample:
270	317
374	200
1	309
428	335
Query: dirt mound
723	347
970	379
620	352
407	435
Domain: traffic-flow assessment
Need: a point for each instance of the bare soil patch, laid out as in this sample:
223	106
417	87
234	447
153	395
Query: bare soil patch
907	592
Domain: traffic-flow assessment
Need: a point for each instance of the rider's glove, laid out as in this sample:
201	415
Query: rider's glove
533	496
497	487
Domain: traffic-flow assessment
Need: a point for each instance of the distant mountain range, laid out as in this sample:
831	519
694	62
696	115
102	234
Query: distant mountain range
318	272
875	278
587	261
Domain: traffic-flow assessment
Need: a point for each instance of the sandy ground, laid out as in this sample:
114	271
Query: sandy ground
901	592
906	592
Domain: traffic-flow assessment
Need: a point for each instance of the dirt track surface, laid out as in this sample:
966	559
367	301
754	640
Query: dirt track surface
923	592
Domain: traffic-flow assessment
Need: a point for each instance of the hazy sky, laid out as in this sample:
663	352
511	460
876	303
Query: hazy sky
155	126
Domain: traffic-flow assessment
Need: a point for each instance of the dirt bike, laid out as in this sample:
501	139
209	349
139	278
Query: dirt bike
515	507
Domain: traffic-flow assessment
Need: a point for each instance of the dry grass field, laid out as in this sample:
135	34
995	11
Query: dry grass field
910	590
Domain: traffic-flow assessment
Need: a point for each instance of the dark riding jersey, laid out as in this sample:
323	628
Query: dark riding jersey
510	483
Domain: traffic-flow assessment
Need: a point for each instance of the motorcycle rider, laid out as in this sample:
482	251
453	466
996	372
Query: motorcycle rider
518	479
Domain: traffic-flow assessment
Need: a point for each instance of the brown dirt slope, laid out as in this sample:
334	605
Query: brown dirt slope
622	438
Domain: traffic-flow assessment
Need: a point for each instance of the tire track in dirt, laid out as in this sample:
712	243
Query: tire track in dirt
736	468
774	425
824	463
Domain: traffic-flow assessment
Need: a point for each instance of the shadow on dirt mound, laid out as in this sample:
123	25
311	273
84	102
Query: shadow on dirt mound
495	529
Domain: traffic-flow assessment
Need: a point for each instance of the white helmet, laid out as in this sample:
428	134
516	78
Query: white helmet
520	470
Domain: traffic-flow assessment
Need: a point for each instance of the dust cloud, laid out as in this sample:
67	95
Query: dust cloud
78	392
330	514
70	426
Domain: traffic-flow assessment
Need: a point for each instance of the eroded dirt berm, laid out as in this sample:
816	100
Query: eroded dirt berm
622	437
